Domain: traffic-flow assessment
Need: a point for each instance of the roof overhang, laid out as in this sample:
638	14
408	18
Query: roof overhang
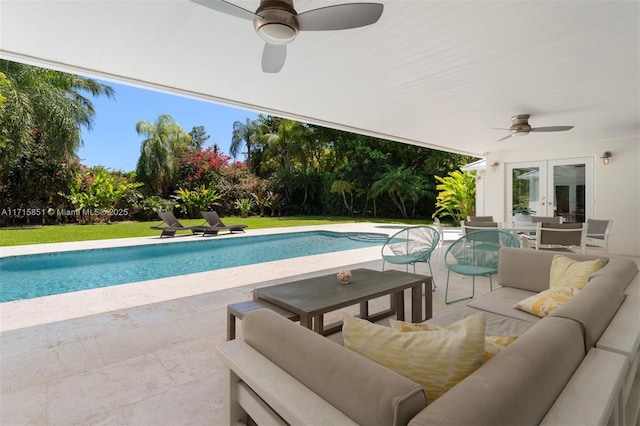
439	74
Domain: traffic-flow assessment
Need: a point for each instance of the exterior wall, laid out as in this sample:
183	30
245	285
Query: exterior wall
616	186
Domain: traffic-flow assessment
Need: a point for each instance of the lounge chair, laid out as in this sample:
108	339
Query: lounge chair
174	225
216	224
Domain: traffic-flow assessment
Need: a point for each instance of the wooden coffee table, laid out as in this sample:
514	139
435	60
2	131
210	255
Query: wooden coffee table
312	298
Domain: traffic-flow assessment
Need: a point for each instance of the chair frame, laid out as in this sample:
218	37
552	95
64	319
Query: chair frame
479	218
174	225
485	239
478	226
216	225
596	239
423	256
544	231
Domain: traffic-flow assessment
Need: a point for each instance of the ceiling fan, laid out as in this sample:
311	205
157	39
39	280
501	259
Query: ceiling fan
520	127
278	23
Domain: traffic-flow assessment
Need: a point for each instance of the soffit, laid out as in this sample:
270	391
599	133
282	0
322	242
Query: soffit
434	73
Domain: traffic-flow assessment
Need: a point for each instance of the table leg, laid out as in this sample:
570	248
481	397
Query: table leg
364	310
318	324
306	321
416	301
399	305
428	299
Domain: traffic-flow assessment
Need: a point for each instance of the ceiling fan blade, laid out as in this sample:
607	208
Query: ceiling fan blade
228	8
506	137
273	57
340	17
551	129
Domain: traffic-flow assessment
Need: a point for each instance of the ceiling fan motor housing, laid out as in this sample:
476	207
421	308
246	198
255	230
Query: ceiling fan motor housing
520	126
277	23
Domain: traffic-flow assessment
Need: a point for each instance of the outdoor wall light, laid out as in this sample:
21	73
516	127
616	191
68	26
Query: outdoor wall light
494	166
605	157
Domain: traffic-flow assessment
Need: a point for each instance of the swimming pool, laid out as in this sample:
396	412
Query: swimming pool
30	276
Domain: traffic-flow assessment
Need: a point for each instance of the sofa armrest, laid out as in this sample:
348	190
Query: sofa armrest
279	394
363	390
593	396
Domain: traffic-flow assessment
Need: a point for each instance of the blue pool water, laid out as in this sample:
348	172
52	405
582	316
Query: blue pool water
26	277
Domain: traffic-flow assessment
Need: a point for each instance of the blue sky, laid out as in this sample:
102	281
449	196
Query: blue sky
113	141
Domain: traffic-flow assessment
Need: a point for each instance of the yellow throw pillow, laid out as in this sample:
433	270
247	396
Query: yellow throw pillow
567	272
437	360
545	302
493	345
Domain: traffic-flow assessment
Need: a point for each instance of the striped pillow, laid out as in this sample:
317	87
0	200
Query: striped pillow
437	360
567	272
493	345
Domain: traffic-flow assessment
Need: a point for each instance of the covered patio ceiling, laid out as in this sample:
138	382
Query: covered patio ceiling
439	74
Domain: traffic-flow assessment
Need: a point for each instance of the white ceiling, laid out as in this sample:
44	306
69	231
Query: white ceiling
440	74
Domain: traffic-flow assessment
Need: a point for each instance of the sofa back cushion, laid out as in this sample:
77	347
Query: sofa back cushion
622	269
363	390
530	269
593	307
519	385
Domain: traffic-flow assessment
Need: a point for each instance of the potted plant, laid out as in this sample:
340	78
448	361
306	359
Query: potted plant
522	214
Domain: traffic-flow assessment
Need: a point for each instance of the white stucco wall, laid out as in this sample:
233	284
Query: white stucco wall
616	186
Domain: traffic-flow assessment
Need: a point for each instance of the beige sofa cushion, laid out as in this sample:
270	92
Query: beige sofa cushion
622	269
495	325
593	307
529	269
366	392
520	386
502	302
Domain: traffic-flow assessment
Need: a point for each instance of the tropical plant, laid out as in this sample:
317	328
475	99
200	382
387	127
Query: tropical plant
400	183
95	194
192	202
244	134
165	142
151	206
244	205
457	195
198	137
46	109
343	188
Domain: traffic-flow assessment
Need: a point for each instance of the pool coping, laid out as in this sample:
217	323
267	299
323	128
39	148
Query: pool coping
46	309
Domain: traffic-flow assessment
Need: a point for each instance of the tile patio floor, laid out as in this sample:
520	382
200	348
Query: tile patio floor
136	359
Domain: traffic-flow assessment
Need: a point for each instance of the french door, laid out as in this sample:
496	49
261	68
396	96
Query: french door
551	188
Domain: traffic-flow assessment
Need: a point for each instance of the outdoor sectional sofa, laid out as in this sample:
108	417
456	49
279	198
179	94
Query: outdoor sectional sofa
577	366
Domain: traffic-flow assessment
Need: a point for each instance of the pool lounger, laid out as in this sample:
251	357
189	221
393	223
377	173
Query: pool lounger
174	225
216	224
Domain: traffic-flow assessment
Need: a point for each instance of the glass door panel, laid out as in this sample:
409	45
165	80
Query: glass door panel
525	190
550	188
572	189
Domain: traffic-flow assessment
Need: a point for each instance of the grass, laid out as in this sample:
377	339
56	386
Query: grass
66	233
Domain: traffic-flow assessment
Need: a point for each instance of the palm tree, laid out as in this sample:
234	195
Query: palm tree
244	133
285	145
45	109
399	183
158	163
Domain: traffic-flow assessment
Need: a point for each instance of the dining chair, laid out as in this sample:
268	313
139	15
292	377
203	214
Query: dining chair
479	218
598	232
477	226
565	237
546	219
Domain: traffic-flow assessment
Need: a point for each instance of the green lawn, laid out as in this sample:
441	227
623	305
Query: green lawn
64	233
